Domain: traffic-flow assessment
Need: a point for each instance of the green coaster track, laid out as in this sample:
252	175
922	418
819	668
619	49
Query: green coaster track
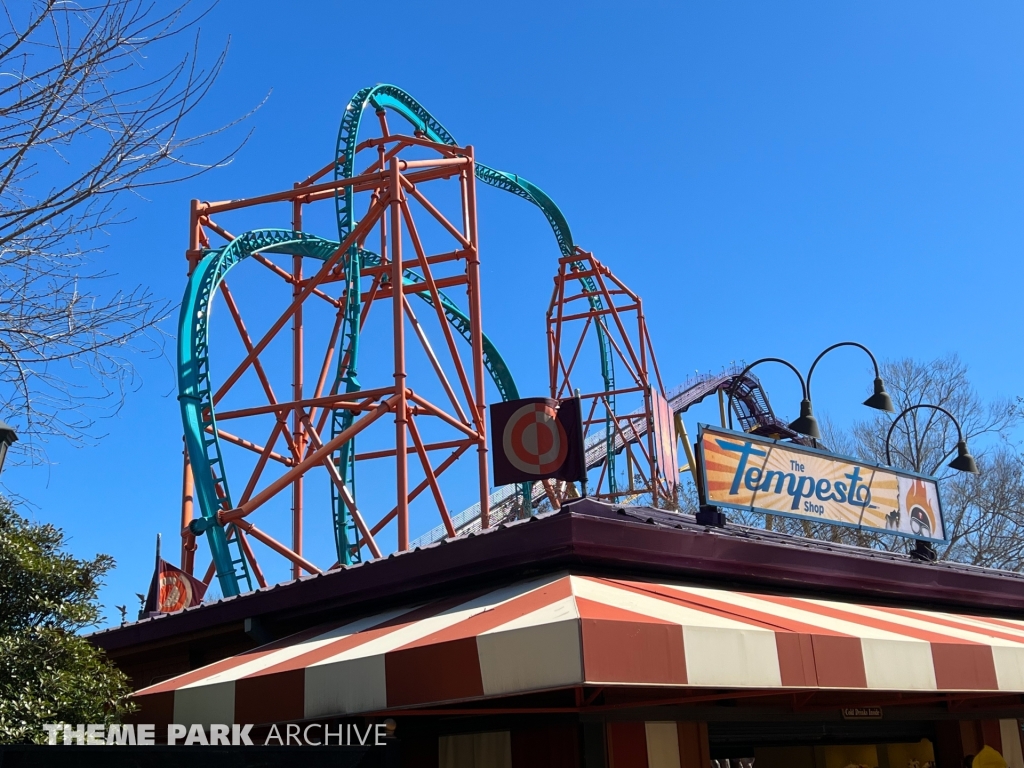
393	98
195	389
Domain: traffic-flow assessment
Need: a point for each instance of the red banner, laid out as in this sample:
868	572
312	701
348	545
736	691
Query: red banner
172	590
665	440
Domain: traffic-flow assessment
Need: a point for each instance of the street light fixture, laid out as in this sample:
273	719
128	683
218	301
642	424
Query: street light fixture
710	515
809	425
963	462
7	438
880	400
806	424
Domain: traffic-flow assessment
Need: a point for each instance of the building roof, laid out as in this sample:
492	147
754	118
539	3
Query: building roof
585	537
543	635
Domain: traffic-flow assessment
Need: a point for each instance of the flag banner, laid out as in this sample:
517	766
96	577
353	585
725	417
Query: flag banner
172	590
537	438
742	471
665	440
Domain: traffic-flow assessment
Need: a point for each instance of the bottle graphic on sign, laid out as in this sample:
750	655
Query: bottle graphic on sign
919	510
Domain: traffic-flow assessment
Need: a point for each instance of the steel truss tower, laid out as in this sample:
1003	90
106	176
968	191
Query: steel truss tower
352	279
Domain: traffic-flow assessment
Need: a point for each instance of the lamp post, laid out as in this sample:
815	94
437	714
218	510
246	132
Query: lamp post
709	515
806	424
793	368
963	462
7	438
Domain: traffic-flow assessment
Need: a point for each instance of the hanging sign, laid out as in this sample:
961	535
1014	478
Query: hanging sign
742	471
665	440
537	438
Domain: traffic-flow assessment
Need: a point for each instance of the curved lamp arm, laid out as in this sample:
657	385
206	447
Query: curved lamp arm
736	381
964	462
880	400
810	373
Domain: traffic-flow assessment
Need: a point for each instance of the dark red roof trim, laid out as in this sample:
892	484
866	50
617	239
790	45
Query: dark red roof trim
589	537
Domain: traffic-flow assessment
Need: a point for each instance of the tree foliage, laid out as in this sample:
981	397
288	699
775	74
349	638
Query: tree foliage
83	120
49	673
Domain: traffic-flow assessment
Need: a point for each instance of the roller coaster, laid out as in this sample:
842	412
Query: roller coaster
412	189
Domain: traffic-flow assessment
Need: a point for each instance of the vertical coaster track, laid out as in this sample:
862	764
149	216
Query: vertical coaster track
389	97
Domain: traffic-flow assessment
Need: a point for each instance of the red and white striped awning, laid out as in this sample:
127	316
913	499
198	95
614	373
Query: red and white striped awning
565	630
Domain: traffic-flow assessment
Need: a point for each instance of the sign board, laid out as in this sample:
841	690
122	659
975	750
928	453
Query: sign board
743	471
862	713
537	438
665	440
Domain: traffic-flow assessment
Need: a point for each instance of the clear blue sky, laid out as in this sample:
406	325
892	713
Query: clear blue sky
771	178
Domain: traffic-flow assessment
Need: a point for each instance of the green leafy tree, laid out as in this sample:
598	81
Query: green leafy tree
49	673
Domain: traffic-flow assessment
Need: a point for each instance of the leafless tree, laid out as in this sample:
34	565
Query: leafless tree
985	513
925	440
83	120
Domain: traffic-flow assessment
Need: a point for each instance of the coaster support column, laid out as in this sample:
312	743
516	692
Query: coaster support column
398	317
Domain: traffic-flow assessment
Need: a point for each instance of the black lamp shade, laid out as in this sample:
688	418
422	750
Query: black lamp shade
806	424
880	401
7	437
963	462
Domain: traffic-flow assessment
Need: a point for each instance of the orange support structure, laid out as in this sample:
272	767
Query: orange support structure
434	391
624	459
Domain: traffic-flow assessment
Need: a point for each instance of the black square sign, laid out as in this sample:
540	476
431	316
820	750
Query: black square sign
537	438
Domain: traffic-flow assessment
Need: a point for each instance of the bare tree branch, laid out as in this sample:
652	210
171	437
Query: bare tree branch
83	120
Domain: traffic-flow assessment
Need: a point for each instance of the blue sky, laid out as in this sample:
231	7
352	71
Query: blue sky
770	178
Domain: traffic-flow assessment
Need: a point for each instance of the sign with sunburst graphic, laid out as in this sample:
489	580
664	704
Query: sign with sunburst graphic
743	471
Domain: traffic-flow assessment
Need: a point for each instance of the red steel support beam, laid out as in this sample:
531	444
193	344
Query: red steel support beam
431	478
420	488
277	546
188	542
250	445
298	435
435	300
344	400
476	325
390	182
440	446
429	351
313	459
452	230
243	542
401	403
428	407
261	463
343	490
357	234
373	181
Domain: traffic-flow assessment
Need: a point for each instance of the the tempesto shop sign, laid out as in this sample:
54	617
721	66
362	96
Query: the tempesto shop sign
743	471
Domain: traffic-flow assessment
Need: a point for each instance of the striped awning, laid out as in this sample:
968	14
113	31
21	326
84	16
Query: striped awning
565	630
